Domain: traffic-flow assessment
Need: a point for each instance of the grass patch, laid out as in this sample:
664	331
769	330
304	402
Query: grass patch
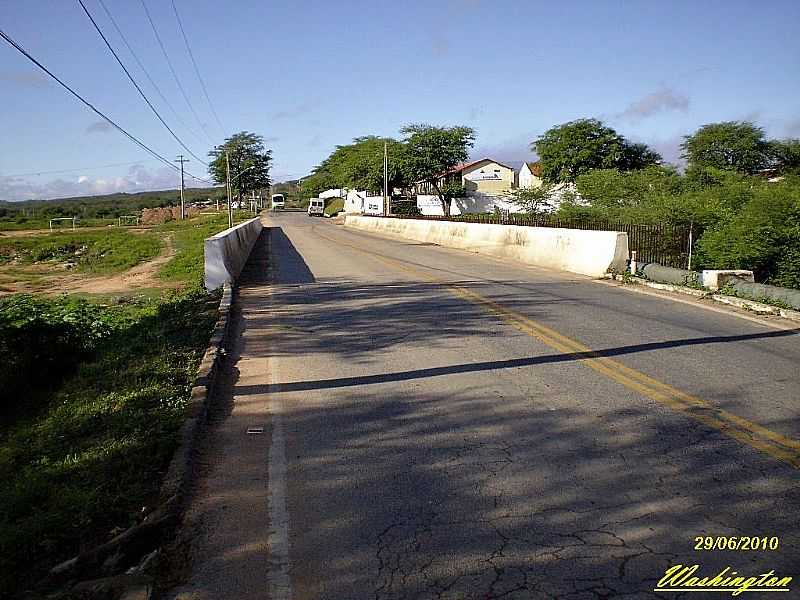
22	223
334	207
187	238
95	252
109	386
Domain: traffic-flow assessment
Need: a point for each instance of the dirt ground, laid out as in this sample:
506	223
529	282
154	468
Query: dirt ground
51	279
32	232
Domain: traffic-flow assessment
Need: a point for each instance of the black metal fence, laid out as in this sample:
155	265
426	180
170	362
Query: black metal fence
659	243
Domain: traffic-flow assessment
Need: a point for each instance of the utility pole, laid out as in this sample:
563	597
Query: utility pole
228	178
253	202
386	203
182	160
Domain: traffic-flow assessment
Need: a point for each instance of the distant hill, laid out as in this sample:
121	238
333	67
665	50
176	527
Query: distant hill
108	206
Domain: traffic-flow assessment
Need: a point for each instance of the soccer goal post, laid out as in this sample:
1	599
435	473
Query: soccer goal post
57	219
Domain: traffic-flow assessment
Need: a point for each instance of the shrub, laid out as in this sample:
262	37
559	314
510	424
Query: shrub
764	237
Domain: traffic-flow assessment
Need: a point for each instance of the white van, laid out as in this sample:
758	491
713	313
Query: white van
316	207
278	201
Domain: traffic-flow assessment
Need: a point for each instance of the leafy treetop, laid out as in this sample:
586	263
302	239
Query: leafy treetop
250	163
571	149
731	145
431	152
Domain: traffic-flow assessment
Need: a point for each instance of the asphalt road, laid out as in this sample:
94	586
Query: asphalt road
438	424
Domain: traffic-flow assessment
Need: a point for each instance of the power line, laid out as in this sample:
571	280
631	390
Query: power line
136	85
111	122
172	70
146	72
36	173
196	70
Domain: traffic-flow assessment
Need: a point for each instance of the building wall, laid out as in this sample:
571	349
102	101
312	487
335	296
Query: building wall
476	202
488	178
528	179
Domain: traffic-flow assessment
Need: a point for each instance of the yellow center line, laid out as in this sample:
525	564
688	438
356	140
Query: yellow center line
747	432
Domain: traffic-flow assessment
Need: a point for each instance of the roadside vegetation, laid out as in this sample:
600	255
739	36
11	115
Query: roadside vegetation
187	239
93	252
334	206
93	396
94	391
740	193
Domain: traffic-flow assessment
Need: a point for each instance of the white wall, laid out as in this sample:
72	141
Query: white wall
332	193
475	202
226	252
591	253
528	179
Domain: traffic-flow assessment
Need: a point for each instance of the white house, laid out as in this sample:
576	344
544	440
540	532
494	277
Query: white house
485	176
530	175
488	184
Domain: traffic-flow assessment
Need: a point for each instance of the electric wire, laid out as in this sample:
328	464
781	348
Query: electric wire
37	173
136	85
146	72
196	69
95	110
172	70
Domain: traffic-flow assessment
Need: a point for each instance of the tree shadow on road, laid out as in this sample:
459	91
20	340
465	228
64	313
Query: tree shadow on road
399	489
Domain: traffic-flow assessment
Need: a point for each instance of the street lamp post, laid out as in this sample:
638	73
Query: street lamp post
230	186
228	179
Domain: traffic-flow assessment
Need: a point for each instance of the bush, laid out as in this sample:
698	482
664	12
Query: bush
407	208
42	341
333	206
94	453
764	237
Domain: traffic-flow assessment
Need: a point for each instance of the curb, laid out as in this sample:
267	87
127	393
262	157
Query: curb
142	542
743	303
178	477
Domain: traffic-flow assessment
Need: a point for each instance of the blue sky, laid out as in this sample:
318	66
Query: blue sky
311	75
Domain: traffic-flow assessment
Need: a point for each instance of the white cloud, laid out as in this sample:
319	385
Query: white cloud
662	100
137	179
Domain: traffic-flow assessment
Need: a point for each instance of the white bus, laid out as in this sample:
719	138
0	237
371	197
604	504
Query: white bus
278	201
316	207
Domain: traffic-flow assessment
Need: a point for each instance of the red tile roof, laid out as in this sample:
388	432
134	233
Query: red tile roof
535	168
465	166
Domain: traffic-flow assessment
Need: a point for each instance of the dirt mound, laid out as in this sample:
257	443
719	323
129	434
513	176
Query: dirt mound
156	216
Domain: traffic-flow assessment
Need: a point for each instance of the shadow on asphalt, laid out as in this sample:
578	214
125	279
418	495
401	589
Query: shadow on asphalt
499	364
290	270
413	492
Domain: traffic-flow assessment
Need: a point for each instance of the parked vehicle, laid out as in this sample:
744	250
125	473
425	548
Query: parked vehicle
316	207
278	201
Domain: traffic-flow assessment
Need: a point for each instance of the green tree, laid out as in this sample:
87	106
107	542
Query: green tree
731	145
250	163
430	152
536	199
785	155
319	181
359	166
570	149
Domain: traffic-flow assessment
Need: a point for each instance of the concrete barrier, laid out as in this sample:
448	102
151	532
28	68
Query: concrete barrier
227	251
714	279
592	253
